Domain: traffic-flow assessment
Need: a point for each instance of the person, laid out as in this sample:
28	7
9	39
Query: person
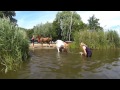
61	46
33	39
86	51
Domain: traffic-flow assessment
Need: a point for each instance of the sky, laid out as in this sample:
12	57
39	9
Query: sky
108	19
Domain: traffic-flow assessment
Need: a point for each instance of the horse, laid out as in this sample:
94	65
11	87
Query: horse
47	40
61	46
38	37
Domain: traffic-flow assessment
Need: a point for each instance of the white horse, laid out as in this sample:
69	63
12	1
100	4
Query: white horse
59	44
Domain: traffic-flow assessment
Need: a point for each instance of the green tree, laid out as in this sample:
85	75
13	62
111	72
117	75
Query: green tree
44	29
94	25
30	33
68	21
57	30
9	14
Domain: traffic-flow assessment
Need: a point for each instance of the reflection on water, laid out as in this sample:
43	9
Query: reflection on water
49	64
58	56
59	59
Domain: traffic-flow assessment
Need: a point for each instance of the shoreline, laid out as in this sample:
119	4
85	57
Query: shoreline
45	46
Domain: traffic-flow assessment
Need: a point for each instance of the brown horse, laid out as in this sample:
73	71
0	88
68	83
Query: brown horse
47	40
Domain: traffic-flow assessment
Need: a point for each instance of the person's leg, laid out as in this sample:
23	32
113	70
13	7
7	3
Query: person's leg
33	43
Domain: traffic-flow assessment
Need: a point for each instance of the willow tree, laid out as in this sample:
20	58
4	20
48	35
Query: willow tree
44	29
67	20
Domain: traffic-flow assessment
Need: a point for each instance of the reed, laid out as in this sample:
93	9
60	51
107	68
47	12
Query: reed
14	45
97	39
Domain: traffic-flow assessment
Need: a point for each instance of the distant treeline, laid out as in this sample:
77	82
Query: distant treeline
68	26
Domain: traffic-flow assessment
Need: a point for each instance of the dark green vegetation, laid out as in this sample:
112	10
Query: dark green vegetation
14	45
10	15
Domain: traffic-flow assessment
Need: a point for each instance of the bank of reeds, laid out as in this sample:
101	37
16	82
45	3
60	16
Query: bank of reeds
97	39
14	45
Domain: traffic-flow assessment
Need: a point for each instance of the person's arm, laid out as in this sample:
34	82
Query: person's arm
84	49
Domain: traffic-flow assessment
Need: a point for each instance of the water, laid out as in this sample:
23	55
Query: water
49	64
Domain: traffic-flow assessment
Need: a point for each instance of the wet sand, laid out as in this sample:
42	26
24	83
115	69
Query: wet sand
45	46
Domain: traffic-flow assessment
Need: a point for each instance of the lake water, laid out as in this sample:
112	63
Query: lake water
49	64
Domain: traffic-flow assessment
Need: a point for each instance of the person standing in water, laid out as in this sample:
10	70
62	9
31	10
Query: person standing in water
86	51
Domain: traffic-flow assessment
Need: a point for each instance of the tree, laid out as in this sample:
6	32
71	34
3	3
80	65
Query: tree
29	33
57	30
44	29
67	21
70	25
93	24
9	14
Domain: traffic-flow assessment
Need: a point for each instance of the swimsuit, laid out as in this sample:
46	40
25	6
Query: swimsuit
89	52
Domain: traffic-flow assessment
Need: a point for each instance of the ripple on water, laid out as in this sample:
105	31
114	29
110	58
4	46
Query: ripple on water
48	64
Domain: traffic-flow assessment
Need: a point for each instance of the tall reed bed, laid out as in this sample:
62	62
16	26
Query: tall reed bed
97	39
14	45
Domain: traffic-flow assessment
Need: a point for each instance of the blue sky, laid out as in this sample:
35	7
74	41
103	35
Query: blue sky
108	19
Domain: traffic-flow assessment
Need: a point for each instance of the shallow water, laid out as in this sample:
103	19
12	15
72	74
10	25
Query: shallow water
49	64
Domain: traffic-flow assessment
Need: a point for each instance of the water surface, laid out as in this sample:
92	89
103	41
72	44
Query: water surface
49	64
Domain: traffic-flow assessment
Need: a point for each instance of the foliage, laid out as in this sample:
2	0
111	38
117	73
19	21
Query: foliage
30	33
14	45
44	30
113	38
9	14
98	40
68	22
93	24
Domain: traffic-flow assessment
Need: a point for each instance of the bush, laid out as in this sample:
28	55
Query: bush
14	45
97	39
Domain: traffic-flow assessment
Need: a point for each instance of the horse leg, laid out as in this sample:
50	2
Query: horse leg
58	49
42	44
49	44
